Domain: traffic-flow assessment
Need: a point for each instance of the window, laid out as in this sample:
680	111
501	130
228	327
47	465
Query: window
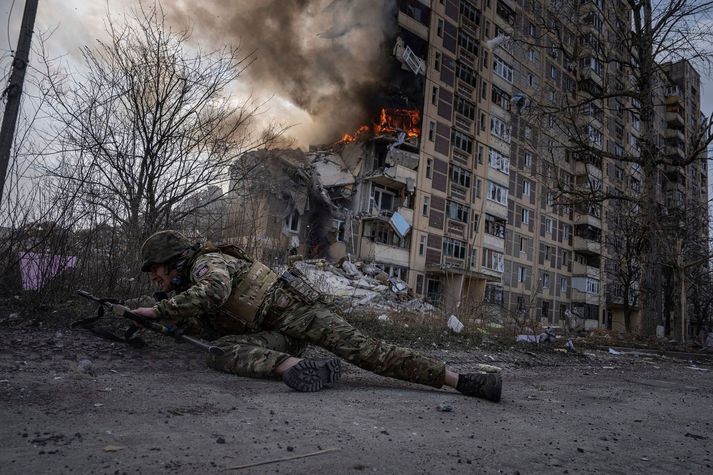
494	226
532	55
431	131
422	245
502	69
439	28
457	211
453	248
460	176
548	225
619	173
521	274
466	74
465	107
497	193
592	286
426	205
594	135
550	199
493	260
554	73
525	216
531	80
437	61
531	29
467	42
500	98
429	167
526	186
382	199
528	155
293	221
469	12
528	135
434	95
461	141
547	253
499	161
499	129
419	284
546	280
565	258
563	284
523	244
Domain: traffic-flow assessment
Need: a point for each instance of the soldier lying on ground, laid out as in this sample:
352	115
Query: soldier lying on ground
264	321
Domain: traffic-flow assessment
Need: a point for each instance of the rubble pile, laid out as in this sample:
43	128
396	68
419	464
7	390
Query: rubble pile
360	284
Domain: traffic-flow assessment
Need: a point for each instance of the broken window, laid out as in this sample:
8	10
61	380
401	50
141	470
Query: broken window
293	221
499	161
429	167
419	284
382	199
467	42
494	226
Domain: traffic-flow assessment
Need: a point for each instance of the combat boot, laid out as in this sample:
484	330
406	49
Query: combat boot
312	375
483	385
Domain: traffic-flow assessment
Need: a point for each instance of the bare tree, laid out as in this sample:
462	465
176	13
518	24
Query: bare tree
608	66
624	242
151	121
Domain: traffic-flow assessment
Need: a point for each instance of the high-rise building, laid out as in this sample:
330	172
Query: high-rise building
497	148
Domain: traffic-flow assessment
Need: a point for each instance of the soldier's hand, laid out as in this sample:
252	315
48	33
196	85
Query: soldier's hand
146	312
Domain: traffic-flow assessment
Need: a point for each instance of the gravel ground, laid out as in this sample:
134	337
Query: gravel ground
161	410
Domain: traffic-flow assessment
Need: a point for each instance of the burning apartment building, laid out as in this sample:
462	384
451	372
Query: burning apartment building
448	183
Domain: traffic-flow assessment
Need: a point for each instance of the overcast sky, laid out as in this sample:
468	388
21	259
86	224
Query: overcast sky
74	23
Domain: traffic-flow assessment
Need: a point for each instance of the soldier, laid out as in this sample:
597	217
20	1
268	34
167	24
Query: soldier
264	321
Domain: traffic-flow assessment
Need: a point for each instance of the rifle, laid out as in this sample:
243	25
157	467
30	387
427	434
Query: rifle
168	330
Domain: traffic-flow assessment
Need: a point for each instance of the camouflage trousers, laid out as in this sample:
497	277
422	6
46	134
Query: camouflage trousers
292	323
255	355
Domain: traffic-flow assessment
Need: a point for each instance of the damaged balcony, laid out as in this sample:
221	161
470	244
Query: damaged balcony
392	163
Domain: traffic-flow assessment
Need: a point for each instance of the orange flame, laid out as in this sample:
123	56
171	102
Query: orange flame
390	121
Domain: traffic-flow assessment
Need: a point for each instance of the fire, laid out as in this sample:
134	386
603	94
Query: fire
390	121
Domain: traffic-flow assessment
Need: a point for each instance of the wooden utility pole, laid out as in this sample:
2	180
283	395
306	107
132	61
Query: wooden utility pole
14	89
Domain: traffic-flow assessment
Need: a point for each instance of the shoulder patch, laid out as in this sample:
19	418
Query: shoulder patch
200	271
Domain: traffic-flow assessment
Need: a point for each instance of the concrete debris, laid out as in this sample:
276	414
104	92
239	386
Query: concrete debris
612	351
570	346
545	337
350	269
351	285
455	324
383	318
444	407
85	367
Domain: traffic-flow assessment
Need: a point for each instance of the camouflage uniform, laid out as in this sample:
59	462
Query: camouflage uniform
284	321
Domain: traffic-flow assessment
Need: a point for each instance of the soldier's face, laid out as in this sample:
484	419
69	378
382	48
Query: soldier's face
161	278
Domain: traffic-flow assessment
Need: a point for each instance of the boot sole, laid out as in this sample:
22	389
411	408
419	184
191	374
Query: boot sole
309	376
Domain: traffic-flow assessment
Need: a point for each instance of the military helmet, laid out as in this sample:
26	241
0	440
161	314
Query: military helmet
162	246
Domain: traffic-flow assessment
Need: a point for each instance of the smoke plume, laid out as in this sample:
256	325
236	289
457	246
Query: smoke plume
327	57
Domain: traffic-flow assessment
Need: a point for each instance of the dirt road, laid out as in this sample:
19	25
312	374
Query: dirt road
160	410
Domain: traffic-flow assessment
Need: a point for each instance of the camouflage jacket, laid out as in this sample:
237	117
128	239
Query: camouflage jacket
208	284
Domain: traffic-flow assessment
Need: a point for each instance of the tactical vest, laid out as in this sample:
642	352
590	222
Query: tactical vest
242	309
